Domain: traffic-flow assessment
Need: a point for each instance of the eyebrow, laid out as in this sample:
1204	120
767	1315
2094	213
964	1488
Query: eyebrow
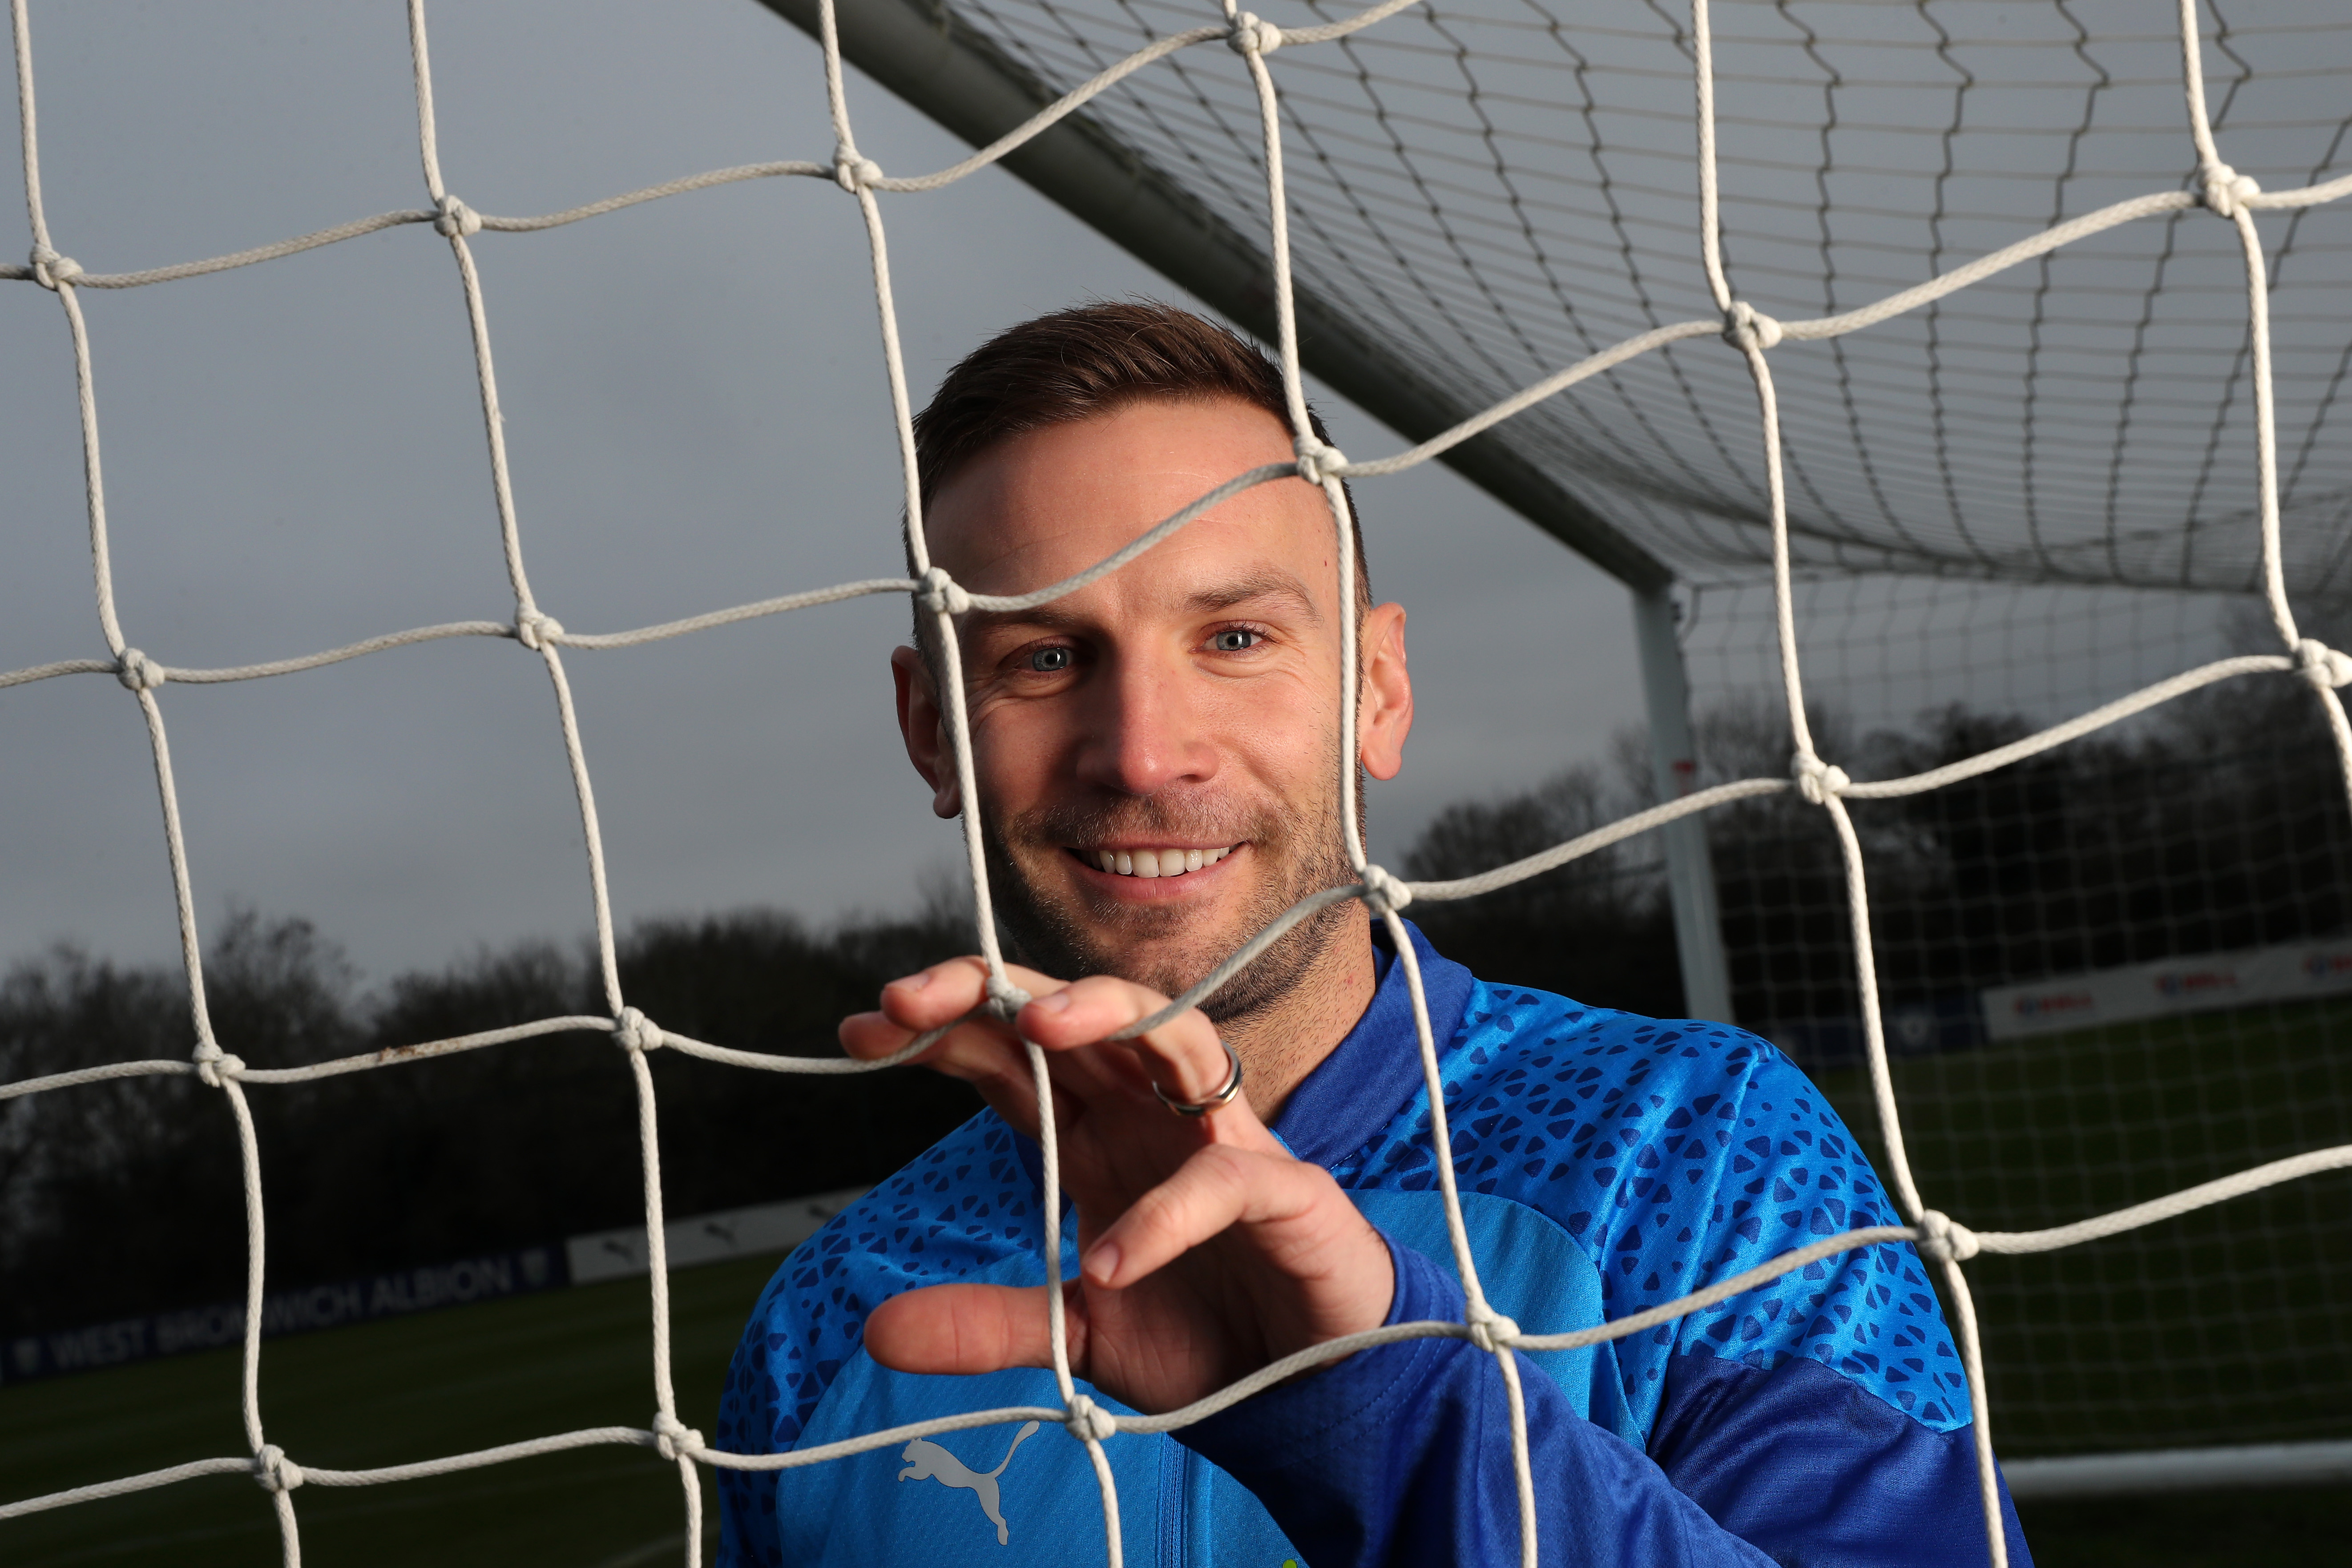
1264	584
1269	583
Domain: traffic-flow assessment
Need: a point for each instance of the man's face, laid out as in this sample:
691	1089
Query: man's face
1157	753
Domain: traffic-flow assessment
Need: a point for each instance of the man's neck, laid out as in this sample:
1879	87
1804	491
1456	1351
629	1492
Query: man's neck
1283	1040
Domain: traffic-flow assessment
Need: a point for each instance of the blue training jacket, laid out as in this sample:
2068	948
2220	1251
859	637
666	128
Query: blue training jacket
1606	1162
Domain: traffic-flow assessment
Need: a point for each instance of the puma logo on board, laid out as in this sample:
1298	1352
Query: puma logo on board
926	1461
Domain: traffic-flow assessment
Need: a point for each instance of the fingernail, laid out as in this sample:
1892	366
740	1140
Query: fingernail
914	981
1103	1262
1055	1002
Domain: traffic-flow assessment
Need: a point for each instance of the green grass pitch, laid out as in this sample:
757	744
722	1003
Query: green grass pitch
2232	1324
386	1392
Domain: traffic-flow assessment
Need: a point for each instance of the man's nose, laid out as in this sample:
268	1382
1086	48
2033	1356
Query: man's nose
1144	733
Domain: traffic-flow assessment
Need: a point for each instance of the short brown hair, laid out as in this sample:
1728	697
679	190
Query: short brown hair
1087	361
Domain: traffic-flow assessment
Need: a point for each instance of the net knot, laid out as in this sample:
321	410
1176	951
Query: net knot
534	627
1944	1239
1251	36
2321	665
2225	191
1383	892
1492	1332
632	1031
214	1064
852	171
137	671
453	219
1089	1422
1316	461
1006	999
49	269
1817	780
940	592
673	1436
274	1472
1746	327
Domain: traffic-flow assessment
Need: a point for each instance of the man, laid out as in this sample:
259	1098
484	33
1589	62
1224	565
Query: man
1156	765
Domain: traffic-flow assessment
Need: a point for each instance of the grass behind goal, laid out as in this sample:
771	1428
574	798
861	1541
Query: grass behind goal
383	1392
2223	1326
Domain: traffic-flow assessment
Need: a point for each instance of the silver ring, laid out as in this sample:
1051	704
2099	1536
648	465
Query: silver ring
1223	1097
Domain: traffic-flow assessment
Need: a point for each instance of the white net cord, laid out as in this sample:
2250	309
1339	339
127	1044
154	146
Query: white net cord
1747	329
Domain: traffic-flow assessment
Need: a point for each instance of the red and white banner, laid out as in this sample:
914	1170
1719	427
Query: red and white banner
2203	983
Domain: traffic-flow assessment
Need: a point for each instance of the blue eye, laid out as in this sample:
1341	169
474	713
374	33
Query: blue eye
1233	639
1049	660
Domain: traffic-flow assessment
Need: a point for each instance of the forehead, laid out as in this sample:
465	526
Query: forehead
1040	506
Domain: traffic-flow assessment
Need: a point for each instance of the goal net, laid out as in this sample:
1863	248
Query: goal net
2072	961
2006	341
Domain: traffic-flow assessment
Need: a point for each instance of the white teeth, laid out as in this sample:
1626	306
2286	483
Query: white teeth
1155	863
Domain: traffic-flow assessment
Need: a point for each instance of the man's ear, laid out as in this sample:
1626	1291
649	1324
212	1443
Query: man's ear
926	735
1385	696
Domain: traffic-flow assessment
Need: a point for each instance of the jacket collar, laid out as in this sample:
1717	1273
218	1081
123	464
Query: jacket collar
1374	1072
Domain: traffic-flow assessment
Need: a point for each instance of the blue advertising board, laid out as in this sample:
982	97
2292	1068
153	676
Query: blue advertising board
294	1311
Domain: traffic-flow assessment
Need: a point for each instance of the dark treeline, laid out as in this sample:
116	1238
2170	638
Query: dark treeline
2216	823
124	1197
1598	929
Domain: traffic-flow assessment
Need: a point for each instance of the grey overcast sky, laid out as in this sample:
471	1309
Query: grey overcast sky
696	418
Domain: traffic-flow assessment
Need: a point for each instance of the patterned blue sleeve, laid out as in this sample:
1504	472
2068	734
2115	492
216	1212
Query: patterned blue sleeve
1678	1154
1725	1157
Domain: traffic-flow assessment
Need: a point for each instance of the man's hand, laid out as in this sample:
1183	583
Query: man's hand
1205	1250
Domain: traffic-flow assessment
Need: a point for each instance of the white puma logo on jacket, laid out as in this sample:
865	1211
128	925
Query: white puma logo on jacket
926	1461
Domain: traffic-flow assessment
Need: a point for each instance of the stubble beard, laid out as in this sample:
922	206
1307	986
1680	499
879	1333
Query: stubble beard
1173	950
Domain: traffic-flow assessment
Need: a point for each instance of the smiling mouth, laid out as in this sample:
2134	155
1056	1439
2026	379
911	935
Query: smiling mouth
1152	863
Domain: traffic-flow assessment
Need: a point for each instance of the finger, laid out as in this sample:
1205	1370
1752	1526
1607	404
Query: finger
980	1053
911	1005
969	1329
1012	1094
971	1047
940	994
980	1049
869	1037
1219	1187
947	992
977	1047
1181	1057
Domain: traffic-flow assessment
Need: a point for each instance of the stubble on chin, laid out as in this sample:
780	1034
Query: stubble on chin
1065	931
